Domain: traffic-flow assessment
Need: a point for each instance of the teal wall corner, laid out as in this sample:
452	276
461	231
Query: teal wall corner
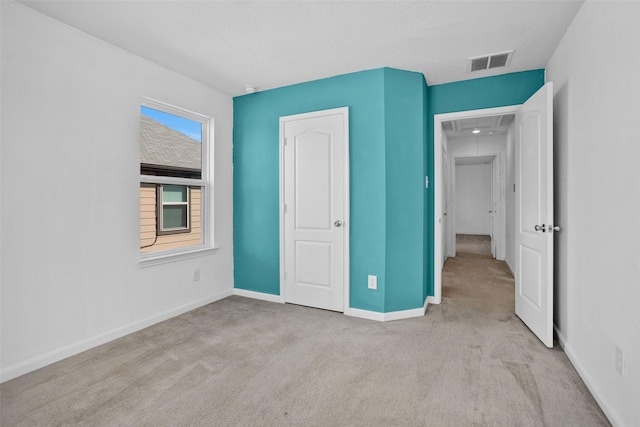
405	115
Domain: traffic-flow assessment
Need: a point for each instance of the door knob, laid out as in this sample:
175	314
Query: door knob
540	228
338	223
553	228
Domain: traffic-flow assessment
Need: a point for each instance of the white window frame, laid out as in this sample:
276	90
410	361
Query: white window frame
161	230
206	247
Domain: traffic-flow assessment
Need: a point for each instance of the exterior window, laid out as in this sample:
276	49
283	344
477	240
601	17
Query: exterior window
173	185
173	208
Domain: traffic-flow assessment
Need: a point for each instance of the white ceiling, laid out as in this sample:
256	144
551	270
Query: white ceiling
491	125
229	44
472	161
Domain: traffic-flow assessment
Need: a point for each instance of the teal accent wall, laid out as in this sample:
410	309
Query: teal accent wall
488	92
427	242
256	179
391	145
387	163
405	165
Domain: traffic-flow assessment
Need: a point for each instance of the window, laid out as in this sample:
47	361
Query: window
173	209
173	184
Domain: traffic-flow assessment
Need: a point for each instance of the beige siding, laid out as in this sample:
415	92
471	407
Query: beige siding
148	223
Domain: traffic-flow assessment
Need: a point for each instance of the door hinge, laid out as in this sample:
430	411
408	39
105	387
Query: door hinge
284	141
426	182
284	208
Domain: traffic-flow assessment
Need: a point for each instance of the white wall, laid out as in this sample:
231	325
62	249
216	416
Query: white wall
473	199
70	194
595	71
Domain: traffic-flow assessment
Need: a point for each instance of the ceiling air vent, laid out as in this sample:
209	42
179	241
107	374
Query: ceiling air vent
486	62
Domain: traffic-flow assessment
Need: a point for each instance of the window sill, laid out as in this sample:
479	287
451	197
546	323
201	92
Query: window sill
164	257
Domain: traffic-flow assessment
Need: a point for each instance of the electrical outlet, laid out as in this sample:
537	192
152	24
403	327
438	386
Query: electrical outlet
372	282
619	360
196	274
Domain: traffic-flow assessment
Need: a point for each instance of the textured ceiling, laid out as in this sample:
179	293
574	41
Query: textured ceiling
228	44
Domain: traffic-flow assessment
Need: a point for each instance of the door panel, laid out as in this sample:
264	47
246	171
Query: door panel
530	288
534	207
530	172
313	264
312	180
315	208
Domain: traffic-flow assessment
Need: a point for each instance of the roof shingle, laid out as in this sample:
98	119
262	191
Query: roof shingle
163	146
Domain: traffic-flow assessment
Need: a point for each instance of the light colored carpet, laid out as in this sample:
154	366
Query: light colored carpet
243	362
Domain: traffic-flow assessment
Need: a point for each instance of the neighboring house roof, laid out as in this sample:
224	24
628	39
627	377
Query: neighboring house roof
161	146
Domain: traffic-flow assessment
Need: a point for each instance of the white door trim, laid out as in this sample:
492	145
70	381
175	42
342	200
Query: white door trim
437	165
346	222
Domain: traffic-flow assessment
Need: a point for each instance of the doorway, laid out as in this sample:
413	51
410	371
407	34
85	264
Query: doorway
532	169
454	136
477	202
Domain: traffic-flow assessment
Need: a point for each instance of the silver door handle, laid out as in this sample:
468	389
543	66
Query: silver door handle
338	223
540	228
553	228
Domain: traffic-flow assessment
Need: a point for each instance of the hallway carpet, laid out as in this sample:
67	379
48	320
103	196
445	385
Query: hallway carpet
241	362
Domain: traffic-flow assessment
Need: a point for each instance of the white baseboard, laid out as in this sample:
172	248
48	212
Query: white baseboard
513	272
614	419
258	295
355	312
386	317
38	362
364	314
434	300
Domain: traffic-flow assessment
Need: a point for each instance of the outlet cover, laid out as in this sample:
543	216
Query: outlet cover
196	274
372	282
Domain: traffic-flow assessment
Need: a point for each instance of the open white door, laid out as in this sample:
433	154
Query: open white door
315	208
534	213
